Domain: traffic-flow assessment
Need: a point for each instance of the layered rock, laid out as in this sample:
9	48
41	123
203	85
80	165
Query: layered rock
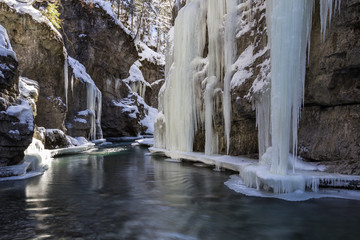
330	121
16	115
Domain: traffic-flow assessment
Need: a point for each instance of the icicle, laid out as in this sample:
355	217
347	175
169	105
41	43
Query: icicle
289	32
94	101
66	76
215	13
179	103
210	135
229	52
263	122
72	84
326	12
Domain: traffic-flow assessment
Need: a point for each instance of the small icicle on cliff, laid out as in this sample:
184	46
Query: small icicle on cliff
202	66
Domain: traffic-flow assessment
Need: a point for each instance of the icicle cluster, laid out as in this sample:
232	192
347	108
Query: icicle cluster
196	73
93	97
289	28
180	112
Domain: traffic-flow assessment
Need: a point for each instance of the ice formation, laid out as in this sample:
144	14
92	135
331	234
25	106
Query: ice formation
93	98
136	80
289	29
193	76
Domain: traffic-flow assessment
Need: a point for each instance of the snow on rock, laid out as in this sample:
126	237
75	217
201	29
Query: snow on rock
135	107
136	80
77	141
27	8
128	106
148	54
106	6
240	67
23	112
29	91
55	138
5	46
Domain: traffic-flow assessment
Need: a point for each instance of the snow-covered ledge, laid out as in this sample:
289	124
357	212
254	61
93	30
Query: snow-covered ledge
255	178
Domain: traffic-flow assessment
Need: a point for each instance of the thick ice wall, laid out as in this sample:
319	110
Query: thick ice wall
289	25
179	109
289	36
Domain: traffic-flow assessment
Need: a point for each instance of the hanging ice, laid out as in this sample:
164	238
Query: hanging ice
197	72
93	98
289	26
180	110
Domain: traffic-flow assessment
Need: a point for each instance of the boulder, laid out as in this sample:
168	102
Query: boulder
55	138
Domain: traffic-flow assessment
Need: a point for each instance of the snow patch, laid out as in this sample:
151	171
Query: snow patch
5	46
148	54
106	6
23	112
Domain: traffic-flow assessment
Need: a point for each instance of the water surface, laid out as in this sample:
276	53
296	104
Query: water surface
121	193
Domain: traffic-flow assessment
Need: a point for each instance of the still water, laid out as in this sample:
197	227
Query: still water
122	193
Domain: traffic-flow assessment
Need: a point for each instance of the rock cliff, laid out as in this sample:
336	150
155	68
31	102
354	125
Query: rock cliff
16	115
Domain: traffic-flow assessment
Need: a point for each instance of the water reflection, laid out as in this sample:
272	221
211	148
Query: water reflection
129	195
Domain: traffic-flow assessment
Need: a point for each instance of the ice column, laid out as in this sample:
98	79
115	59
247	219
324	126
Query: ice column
289	24
215	13
94	101
66	76
180	110
229	58
290	21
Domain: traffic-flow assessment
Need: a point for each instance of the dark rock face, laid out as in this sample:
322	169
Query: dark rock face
330	121
15	136
152	71
107	51
152	94
55	138
77	125
41	57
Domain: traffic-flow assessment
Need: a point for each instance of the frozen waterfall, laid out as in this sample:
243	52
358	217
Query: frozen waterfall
198	71
203	63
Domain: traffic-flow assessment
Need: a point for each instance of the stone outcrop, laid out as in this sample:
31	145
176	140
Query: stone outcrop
40	52
16	129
